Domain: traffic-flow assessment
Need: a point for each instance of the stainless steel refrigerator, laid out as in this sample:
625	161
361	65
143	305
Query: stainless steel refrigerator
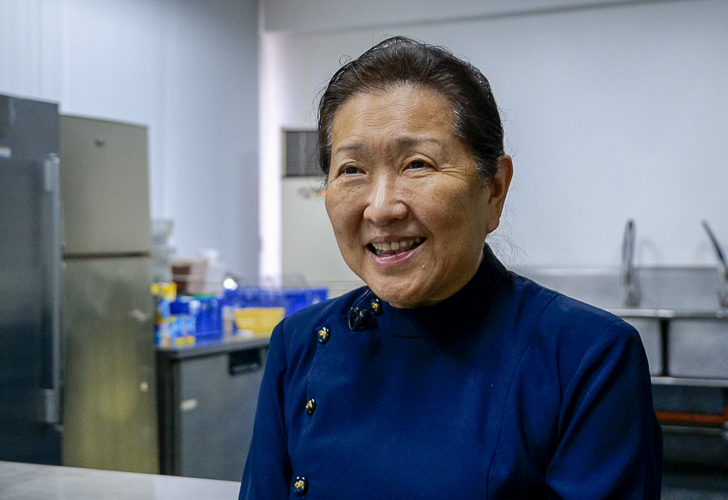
30	282
77	357
109	401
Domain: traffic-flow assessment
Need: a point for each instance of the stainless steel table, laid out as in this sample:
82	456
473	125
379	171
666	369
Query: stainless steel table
20	481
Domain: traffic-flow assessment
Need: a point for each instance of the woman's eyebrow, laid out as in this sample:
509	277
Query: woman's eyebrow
414	141
349	147
400	142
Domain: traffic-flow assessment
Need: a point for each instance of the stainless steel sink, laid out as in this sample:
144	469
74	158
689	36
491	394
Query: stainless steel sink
698	347
696	341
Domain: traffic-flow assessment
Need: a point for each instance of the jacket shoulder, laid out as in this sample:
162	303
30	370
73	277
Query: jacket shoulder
572	317
570	330
566	314
580	337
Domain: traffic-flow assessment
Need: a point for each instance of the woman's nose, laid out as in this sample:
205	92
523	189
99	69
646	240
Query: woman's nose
384	204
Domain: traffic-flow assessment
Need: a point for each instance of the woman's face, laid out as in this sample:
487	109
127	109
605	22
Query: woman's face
409	210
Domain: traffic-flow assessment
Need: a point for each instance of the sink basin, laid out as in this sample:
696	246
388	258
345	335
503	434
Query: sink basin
698	347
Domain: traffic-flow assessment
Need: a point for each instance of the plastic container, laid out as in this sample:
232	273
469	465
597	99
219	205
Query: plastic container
192	267
162	230
215	271
205	314
208	321
190	284
162	262
165	294
257	321
253	311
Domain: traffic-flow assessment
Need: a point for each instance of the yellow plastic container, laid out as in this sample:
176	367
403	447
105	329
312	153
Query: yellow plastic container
258	321
165	290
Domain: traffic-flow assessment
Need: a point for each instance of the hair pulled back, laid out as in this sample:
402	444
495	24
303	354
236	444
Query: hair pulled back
402	60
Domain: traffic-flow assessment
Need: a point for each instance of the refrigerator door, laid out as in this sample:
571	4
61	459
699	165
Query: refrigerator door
30	281
109	404
104	187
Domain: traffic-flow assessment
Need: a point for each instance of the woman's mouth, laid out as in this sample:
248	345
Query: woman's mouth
394	247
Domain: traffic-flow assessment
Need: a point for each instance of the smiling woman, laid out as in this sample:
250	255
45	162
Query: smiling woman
409	209
447	375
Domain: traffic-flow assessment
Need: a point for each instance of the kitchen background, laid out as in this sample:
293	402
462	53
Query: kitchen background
614	110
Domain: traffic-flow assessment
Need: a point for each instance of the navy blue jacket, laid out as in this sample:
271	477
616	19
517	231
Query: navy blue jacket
506	390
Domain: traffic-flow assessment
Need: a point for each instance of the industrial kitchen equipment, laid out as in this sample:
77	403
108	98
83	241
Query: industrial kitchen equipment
77	366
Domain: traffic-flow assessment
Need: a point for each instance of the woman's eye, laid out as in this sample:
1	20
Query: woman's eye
349	170
418	164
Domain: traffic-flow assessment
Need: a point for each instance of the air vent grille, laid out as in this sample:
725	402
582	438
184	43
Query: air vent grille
300	153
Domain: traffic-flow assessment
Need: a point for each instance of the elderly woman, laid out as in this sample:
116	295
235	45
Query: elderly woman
447	376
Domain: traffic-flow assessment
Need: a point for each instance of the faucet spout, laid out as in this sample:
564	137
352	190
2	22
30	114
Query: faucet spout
628	270
722	289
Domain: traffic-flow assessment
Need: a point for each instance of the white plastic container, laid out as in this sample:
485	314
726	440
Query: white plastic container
215	271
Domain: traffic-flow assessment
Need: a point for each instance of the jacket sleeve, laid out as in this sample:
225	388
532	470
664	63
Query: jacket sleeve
610	444
268	469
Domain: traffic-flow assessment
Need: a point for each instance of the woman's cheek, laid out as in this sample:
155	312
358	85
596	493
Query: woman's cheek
340	209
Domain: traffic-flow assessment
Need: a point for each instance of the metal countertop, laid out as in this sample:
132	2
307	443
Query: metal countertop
669	313
213	348
19	481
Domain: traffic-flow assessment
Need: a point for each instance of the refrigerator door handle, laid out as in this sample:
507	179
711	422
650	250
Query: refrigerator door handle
51	173
49	404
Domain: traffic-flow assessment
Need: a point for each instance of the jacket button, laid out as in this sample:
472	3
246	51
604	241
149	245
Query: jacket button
310	406
323	335
300	486
376	307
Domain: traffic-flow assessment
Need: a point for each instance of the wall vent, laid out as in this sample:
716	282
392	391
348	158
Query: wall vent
300	153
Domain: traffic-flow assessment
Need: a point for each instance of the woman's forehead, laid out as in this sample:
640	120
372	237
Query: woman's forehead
356	146
403	116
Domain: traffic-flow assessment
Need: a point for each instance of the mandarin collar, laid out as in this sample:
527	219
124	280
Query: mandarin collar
453	313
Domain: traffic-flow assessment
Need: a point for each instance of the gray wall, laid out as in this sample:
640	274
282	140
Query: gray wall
184	68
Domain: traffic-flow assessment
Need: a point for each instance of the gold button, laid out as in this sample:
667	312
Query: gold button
376	306
310	406
300	486
323	335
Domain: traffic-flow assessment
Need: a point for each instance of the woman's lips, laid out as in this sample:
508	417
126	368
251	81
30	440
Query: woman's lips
394	252
394	247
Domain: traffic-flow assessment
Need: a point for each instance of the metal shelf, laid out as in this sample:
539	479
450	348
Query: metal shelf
691	382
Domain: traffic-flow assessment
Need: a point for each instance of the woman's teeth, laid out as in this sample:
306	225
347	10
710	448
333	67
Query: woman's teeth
398	246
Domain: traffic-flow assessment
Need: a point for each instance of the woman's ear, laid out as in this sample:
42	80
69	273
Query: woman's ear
498	186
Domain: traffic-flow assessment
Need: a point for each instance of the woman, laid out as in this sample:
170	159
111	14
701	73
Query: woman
447	376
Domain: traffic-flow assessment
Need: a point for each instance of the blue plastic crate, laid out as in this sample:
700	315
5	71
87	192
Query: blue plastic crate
207	315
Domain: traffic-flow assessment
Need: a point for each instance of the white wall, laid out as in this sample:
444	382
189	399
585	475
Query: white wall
186	69
612	112
331	15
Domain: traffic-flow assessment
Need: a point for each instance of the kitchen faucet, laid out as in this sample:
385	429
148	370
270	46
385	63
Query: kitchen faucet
628	271
722	289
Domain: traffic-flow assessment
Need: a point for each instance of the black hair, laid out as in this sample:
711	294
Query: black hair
402	60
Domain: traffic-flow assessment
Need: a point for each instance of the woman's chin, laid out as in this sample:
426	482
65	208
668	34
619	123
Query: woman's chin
401	295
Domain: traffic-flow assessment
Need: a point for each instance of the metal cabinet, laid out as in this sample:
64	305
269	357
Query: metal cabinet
207	401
